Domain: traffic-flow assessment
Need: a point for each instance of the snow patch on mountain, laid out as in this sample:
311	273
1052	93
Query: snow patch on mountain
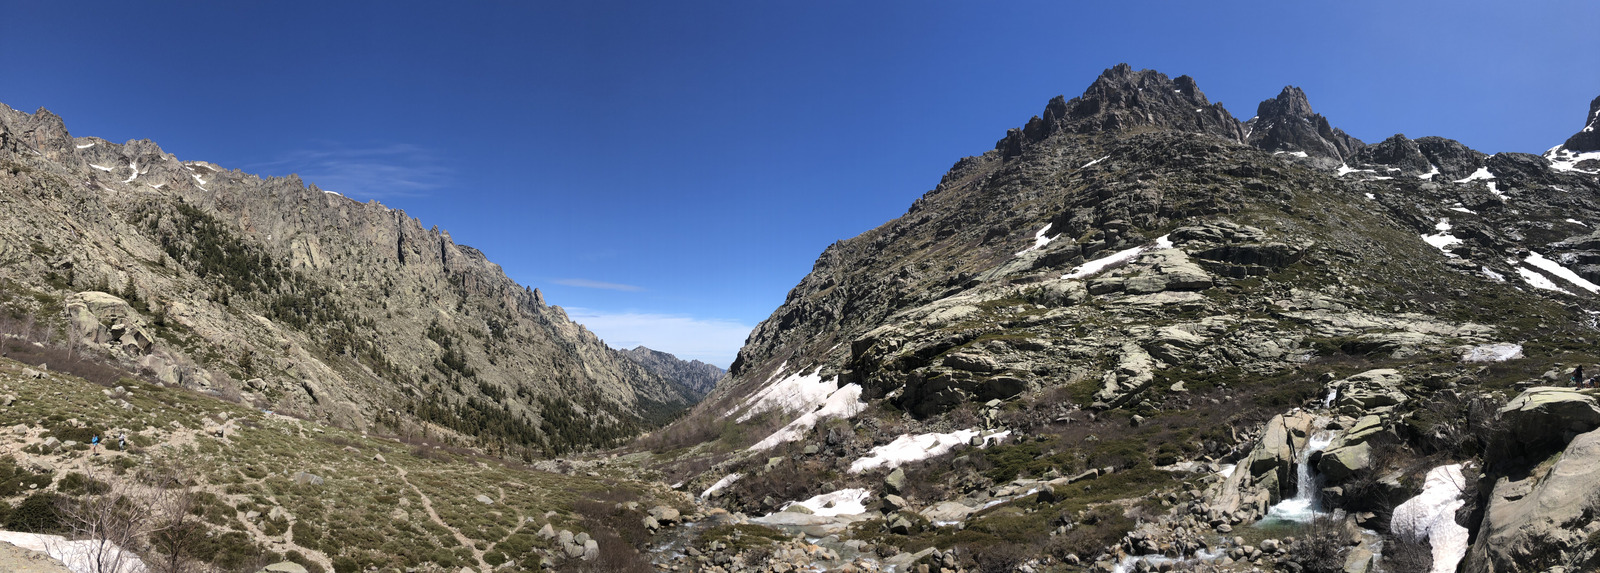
726	481
852	501
1536	280
1482	174
1095	266
794	393
842	403
1562	159
1431	516
1556	269
1496	352
1443	239
915	447
1039	240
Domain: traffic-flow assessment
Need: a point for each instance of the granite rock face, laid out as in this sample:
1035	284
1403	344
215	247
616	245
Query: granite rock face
344	311
1588	139
1287	124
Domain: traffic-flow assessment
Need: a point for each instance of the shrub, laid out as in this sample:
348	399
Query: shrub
1321	548
1098	529
78	484
39	513
1406	555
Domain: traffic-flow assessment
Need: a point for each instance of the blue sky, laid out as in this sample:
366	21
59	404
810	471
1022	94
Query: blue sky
667	171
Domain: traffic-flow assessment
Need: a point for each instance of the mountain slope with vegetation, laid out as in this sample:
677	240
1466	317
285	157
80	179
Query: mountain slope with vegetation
298	300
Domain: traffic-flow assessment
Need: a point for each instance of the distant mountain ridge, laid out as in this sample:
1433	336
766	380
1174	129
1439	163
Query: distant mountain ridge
692	374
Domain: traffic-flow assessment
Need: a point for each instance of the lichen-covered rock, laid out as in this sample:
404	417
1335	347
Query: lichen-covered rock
1549	416
1339	463
1370	390
1531	518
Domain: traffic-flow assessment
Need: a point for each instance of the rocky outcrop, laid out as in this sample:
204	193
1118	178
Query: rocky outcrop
1350	452
1587	139
1124	99
1266	475
1548	417
1397	155
1538	520
1286	124
1369	392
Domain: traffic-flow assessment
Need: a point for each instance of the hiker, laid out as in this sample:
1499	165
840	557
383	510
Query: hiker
1577	377
122	441
94	445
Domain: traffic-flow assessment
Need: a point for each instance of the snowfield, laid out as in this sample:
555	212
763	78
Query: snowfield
78	556
843	502
1565	160
915	447
1039	240
1497	352
1482	174
1443	239
1556	269
842	403
1536	280
794	393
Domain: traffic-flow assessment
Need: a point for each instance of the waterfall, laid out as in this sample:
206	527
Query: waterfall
1305	504
1327	402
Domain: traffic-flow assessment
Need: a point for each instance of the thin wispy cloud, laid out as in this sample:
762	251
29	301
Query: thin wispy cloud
370	172
711	340
586	283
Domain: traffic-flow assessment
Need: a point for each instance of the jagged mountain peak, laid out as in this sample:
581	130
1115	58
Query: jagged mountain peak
1124	99
1581	152
1291	102
1287	124
1589	138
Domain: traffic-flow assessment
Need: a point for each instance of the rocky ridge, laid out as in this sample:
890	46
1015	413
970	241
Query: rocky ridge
697	376
1138	288
302	300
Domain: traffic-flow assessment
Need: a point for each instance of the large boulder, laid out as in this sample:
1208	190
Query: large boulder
1547	417
283	567
1135	371
971	362
1338	464
104	319
1369	391
1541	518
1170	269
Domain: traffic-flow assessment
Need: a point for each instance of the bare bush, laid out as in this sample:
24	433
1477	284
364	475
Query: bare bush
1401	554
108	526
1321	548
175	532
